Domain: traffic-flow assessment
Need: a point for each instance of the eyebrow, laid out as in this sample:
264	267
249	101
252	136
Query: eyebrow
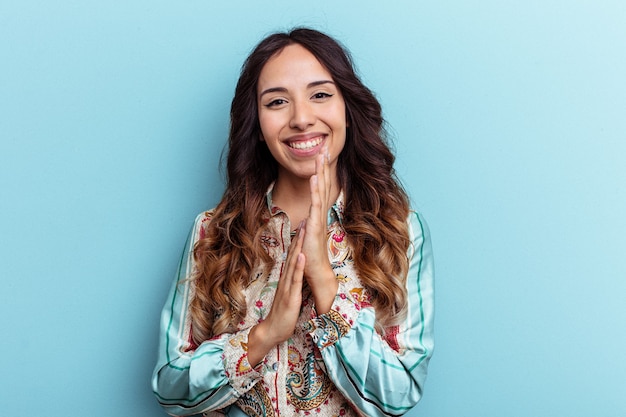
284	90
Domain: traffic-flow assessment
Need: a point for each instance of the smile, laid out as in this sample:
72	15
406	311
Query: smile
307	144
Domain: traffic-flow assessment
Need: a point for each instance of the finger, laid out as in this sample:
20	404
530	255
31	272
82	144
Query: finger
296	239
298	272
326	176
316	200
322	179
294	250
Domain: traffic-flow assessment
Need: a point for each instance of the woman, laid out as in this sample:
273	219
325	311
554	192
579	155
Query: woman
309	289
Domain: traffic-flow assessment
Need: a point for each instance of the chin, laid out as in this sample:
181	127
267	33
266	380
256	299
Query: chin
304	173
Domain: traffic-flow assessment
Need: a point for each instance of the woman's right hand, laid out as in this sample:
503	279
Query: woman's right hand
280	322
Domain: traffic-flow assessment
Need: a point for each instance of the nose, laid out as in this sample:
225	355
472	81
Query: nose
302	115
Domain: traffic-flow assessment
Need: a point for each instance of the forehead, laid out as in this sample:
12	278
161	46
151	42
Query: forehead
291	67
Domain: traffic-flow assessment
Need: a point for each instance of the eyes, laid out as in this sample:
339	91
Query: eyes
276	103
318	97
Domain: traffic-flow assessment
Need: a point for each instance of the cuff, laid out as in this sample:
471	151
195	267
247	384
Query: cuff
240	373
326	329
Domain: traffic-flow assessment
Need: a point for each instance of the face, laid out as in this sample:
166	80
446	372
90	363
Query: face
301	110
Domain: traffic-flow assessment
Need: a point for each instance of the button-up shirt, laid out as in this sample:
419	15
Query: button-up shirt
335	364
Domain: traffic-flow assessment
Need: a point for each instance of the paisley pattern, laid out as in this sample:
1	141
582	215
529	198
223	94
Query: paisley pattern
269	242
256	402
326	329
308	386
338	250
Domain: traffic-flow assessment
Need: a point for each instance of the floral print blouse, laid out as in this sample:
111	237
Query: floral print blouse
335	364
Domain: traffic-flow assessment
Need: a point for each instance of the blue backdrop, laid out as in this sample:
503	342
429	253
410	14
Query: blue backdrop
510	127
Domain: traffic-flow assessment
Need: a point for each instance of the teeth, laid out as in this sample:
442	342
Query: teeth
307	144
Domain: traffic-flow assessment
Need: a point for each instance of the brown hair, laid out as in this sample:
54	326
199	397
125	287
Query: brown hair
375	217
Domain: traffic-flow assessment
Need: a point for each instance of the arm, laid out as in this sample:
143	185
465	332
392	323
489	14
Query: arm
379	380
189	380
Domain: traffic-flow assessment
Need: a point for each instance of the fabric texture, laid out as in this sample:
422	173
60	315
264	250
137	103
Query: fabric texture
335	364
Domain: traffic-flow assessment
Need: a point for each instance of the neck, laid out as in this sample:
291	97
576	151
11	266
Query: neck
293	196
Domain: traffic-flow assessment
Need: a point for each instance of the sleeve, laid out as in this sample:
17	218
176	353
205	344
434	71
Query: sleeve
191	379
382	376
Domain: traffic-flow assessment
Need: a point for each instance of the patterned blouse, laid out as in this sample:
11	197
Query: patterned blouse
335	364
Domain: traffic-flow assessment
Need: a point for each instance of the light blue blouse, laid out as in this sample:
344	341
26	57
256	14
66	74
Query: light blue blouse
335	364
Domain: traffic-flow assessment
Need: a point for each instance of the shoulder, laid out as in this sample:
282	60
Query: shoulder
419	233
415	219
201	223
205	216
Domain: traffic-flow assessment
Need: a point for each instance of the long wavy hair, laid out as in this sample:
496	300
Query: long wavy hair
376	205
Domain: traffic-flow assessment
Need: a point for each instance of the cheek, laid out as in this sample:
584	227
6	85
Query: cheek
337	116
270	125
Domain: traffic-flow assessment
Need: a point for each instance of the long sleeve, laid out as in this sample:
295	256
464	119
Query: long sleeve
382	377
187	379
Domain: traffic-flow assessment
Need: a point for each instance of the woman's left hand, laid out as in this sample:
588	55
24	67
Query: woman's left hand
318	271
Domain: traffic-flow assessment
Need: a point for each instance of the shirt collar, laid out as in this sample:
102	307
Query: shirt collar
334	213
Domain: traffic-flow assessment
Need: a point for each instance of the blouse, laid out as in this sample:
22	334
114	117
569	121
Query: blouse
335	364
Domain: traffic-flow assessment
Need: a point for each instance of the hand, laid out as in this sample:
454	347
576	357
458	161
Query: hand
318	271
280	322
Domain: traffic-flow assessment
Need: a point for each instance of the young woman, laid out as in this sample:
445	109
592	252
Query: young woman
309	289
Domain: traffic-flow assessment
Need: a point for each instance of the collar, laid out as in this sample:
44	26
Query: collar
335	212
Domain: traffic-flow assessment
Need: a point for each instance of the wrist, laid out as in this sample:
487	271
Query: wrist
259	343
324	292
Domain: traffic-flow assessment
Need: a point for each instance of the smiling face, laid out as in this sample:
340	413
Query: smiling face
301	110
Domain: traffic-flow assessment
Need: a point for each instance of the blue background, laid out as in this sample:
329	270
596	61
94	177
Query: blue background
510	126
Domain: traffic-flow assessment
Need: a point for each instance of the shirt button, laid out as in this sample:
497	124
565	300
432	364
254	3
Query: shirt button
275	366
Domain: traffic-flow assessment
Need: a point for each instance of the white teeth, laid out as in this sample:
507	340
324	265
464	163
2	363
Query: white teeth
307	144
